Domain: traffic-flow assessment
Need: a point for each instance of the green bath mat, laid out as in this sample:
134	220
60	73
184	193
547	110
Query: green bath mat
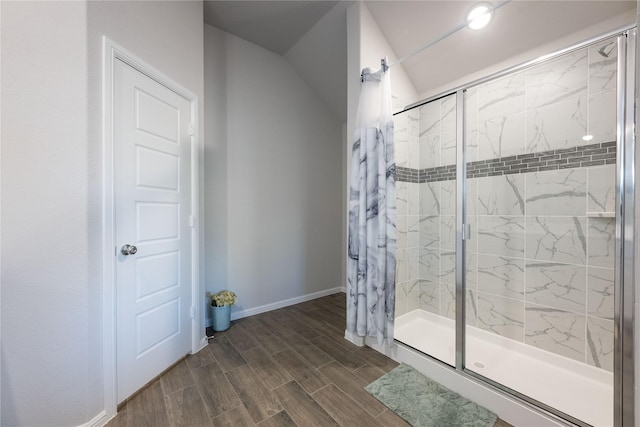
425	403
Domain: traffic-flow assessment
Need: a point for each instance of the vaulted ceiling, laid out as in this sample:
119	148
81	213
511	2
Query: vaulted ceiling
519	26
275	25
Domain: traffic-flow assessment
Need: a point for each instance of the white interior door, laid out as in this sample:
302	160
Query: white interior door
152	208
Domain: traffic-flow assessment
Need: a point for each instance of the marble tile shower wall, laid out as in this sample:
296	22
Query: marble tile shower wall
542	258
540	254
406	134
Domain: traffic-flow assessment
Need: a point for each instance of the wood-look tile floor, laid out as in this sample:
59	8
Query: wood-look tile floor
288	367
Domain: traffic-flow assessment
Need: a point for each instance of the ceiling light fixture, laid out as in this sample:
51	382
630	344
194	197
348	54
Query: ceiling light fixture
479	16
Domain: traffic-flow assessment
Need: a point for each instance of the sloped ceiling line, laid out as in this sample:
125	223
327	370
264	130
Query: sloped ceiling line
312	34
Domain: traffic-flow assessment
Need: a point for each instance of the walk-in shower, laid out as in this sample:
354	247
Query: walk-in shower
519	178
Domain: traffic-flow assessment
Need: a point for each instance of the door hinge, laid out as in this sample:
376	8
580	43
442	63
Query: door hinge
192	221
193	312
190	129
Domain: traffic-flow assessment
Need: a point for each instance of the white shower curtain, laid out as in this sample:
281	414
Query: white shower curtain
372	213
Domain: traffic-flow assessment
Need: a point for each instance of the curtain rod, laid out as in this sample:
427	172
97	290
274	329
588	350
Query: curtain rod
386	65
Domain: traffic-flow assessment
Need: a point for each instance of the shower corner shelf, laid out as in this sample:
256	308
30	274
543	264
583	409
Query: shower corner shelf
601	214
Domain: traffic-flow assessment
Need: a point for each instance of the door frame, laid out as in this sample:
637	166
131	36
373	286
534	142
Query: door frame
110	53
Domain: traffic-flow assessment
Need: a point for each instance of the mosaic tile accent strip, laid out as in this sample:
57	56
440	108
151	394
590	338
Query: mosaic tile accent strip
566	158
407	174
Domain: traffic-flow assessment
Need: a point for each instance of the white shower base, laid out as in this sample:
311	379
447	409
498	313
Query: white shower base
582	391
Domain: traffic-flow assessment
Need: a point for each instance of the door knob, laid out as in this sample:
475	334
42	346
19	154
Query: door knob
128	250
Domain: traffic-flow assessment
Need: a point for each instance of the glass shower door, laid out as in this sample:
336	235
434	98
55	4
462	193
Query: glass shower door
426	146
540	197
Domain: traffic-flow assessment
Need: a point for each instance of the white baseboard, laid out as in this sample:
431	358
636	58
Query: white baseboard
283	303
203	343
279	304
97	421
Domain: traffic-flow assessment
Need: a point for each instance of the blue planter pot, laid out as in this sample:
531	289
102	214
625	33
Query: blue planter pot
221	317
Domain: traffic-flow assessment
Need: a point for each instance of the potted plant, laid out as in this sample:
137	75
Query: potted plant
221	309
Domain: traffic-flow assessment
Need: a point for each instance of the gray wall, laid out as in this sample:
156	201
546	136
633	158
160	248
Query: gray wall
52	188
273	178
45	286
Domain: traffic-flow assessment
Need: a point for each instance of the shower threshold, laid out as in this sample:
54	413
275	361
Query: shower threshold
575	388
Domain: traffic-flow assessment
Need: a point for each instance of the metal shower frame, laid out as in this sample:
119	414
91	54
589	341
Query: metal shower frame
624	306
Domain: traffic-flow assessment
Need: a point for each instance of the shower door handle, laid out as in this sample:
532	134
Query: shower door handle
467	231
